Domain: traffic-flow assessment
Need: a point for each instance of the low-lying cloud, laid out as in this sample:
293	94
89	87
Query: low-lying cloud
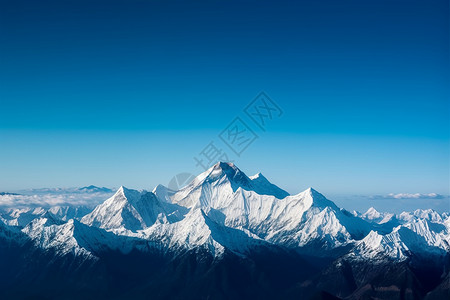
54	197
410	196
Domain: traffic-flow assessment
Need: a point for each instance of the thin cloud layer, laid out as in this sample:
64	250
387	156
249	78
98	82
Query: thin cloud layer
53	197
410	196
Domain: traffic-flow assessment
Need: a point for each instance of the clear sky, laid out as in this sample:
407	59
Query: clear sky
128	92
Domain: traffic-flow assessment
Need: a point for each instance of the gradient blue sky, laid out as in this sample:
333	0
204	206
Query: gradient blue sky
128	92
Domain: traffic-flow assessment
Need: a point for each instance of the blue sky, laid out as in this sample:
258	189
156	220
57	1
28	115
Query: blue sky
128	92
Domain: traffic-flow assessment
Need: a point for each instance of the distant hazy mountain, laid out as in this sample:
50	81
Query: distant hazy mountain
95	189
223	236
8	194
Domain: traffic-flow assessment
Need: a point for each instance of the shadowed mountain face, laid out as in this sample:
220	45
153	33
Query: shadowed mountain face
224	236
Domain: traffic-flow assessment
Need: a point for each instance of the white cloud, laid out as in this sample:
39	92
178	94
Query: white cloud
52	197
410	196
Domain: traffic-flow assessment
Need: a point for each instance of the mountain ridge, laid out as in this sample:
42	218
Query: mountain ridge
225	215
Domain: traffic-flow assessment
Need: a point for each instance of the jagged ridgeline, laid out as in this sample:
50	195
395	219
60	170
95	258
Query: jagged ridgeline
223	236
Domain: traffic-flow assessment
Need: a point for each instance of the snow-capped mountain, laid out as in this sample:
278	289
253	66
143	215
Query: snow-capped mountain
264	187
223	208
224	213
427	214
415	237
372	215
23	216
65	213
231	199
133	210
47	233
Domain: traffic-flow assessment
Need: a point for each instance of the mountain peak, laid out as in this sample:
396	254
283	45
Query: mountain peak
90	187
257	175
127	209
372	210
224	165
372	214
125	190
163	193
229	171
161	189
314	193
263	186
121	191
222	179
124	193
237	178
317	199
93	188
227	168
